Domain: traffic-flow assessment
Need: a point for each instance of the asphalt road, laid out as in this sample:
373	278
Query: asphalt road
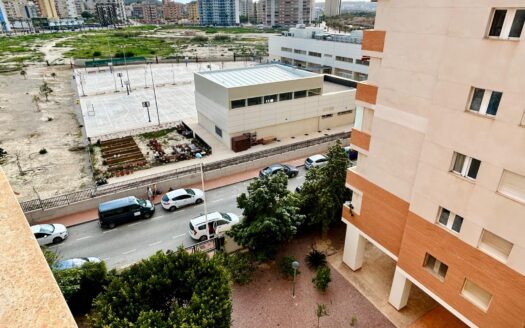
129	243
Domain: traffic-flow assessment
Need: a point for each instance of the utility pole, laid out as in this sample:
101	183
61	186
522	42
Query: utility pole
154	94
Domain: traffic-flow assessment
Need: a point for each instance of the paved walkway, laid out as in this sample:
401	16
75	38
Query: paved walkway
92	214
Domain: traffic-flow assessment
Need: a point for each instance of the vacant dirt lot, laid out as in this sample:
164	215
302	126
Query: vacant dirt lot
27	126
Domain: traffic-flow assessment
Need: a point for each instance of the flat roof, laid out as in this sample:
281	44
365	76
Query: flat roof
260	74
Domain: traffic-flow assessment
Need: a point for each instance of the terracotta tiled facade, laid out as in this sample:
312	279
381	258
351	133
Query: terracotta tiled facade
373	40
360	139
366	93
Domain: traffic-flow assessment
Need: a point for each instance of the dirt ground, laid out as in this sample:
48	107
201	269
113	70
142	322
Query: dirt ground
27	127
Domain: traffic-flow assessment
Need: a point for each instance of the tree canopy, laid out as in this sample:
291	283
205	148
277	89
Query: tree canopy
173	289
270	216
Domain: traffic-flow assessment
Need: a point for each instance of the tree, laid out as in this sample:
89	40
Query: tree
24	74
270	215
45	90
173	289
54	75
86	15
320	312
324	192
36	100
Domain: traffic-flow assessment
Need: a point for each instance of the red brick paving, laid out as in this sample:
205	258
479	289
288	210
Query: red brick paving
439	317
267	301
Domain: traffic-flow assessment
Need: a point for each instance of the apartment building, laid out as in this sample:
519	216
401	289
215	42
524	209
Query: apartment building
47	8
67	8
318	50
172	11
288	12
5	25
439	184
192	9
218	12
332	8
271	101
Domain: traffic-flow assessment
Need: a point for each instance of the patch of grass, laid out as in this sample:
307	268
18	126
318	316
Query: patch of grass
157	134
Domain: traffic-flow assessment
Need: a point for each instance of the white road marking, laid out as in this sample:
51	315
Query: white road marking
128	252
86	237
106	231
181	235
136	223
215	201
158	217
155	243
180	211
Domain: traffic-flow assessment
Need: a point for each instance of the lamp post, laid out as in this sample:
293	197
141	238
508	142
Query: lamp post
146	77
173	74
199	156
154	94
81	84
120	76
113	74
126	65
145	104
127	86
295	266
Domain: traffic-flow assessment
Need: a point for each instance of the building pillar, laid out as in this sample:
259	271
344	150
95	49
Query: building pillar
400	290
354	248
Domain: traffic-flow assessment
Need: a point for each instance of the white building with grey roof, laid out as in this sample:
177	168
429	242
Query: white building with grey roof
272	102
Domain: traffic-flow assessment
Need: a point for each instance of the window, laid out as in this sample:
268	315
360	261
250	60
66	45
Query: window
465	166
314	92
314	54
286	96
357	199
299	94
238	103
362	62
254	101
286	49
344	59
512	185
494	245
301	52
327	115
449	220
476	295
507	23
327	56
270	99
345	112
218	131
438	269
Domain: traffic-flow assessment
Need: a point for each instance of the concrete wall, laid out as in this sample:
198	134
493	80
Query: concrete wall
38	216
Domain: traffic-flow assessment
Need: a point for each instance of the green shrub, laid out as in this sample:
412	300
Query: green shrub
97	53
199	38
221	38
315	259
322	278
241	267
3	153
285	267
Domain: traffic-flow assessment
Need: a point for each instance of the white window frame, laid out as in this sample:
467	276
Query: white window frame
465	168
487	94
487	249
451	220
437	265
472	298
507	24
357	199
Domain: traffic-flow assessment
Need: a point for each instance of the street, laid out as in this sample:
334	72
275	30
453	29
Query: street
129	243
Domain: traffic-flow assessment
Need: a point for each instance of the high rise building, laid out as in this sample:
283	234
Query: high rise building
173	11
67	8
439	185
287	12
5	26
260	11
332	8
47	8
192	8
219	12
106	13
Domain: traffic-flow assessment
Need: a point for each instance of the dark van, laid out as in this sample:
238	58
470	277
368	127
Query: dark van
124	210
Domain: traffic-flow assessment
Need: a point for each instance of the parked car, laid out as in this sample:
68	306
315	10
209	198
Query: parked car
123	210
49	233
181	197
352	154
218	222
287	169
75	263
315	161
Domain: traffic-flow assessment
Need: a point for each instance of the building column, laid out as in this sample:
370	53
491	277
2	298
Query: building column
400	290
354	248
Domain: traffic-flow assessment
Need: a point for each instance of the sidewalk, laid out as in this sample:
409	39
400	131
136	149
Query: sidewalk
92	214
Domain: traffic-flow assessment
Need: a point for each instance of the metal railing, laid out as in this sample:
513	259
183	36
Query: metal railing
78	196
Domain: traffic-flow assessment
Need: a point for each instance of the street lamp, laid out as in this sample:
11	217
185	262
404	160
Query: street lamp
127	86
126	65
199	156
120	76
295	266
154	93
145	104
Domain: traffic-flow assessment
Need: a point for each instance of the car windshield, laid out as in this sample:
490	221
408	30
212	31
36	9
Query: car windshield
190	192
165	198
141	202
267	170
47	228
309	160
226	216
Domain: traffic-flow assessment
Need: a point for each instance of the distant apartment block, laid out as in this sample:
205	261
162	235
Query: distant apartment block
288	12
332	8
47	8
106	13
5	25
439	184
192	9
270	101
317	50
173	11
67	8
218	12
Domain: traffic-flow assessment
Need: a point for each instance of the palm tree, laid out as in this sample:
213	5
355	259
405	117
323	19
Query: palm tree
23	73
45	90
35	100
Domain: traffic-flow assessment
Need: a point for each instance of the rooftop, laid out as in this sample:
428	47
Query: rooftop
241	77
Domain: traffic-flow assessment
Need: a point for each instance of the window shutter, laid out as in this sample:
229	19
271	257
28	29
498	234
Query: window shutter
512	185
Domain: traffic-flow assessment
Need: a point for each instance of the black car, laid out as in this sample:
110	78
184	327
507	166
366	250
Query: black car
289	170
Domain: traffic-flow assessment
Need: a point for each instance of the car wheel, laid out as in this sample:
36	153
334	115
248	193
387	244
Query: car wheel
173	208
294	175
147	215
57	240
112	225
198	201
203	238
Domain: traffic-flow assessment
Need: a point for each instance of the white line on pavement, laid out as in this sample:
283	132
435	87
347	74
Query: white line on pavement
128	252
106	231
136	223
158	217
178	236
86	237
155	243
215	201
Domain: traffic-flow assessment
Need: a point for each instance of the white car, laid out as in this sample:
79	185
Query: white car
181	197
217	221
49	233
315	161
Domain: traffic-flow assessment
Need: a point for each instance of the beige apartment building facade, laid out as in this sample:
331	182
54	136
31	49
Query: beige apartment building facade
439	184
